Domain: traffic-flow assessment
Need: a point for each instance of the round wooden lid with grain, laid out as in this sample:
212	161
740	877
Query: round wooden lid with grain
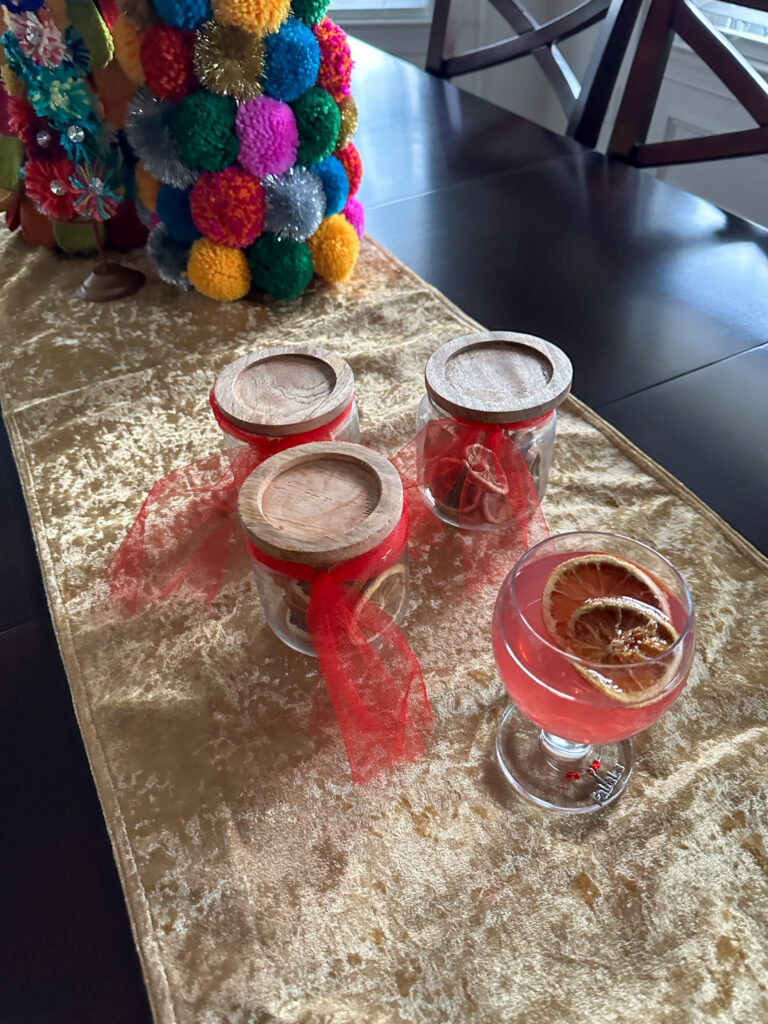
284	390
498	377
321	503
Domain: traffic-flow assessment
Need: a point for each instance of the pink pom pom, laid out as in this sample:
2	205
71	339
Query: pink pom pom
335	74
228	207
268	136
355	214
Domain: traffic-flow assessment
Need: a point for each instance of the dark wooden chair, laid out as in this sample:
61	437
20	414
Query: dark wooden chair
584	103
666	18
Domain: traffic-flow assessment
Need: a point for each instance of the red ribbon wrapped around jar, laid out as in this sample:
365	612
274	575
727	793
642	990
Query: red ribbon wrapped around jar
264	402
482	455
327	528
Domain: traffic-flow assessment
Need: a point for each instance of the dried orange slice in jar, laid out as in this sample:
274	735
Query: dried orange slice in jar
626	636
585	577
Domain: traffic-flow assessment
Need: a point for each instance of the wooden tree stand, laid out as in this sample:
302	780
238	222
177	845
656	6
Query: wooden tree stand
108	281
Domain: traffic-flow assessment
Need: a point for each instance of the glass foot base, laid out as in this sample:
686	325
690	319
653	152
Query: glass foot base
559	775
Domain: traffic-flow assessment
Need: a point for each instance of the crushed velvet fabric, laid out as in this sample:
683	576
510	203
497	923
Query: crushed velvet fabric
263	887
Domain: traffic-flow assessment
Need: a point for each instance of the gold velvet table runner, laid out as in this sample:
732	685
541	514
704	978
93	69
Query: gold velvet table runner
263	887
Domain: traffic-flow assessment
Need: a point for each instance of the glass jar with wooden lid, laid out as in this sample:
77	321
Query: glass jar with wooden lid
482	389
288	394
325	522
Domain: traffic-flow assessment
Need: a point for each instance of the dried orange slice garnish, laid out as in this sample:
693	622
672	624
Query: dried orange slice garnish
580	579
619	633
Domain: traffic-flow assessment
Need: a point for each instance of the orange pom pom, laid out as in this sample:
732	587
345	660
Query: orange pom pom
147	187
335	248
218	272
127	42
258	16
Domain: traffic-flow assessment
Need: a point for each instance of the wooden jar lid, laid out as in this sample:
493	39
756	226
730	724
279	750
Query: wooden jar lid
498	377
321	503
284	390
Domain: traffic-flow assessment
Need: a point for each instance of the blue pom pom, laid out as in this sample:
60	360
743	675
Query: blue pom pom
335	184
291	61
173	210
186	14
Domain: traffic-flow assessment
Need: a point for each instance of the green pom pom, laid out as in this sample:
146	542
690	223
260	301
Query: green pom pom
77	237
282	269
96	36
318	121
204	129
11	155
309	11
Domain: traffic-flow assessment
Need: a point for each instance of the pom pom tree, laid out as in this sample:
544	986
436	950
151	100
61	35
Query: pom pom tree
241	124
73	174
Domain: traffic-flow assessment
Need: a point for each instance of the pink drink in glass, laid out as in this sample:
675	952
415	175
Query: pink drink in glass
541	678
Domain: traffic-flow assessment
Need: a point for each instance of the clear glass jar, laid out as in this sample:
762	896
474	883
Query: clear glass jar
285	600
536	444
347	430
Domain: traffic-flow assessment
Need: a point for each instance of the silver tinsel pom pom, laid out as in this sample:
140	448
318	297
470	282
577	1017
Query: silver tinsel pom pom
295	204
169	257
149	133
144	215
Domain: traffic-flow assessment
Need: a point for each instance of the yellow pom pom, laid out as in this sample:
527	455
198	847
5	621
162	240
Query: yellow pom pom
218	272
147	187
259	16
334	247
13	85
127	41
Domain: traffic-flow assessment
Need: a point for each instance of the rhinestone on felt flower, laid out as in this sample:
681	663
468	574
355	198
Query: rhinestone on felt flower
39	37
95	195
46	182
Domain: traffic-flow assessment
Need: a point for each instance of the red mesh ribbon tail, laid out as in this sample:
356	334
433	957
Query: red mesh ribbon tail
377	692
424	527
183	535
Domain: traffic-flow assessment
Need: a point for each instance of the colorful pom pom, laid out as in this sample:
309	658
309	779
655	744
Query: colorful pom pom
317	120
291	61
229	61
218	272
204	129
148	128
228	207
259	16
335	74
127	42
353	165
46	182
169	257
310	11
334	247
355	214
349	119
281	269
268	137
335	184
21	118
44	141
187	14
147	187
295	204
166	57
173	209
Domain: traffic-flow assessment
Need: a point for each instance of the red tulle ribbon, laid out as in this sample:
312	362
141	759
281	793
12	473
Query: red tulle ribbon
478	474
187	528
377	689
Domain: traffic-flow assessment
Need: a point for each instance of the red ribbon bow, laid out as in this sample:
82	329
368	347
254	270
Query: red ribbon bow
187	527
376	688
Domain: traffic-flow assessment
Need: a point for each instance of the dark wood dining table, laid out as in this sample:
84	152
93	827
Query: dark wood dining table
659	298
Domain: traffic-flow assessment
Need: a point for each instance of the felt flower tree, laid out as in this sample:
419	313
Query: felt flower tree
242	123
63	162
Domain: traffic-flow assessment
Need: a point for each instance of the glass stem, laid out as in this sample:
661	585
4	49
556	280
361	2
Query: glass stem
563	755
